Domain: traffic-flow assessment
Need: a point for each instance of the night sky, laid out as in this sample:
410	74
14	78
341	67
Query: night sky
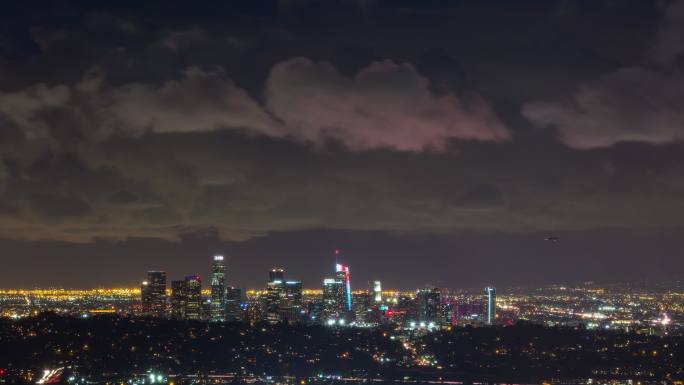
433	142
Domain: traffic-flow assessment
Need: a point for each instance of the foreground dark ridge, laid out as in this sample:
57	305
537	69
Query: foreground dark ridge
114	349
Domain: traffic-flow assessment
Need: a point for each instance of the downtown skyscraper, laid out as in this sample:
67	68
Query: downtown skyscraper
153	294
178	299
283	298
342	274
186	298
233	304
275	293
333	291
337	295
429	307
491	305
218	290
192	291
377	292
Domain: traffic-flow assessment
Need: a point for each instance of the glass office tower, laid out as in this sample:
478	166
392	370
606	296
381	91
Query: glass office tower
193	297
491	305
218	290
153	294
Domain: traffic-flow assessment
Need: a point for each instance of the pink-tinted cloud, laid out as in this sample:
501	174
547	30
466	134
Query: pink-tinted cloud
384	105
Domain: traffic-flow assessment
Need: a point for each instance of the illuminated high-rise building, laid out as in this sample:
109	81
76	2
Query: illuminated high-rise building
233	304
178	299
362	306
342	274
283	298
145	297
153	294
218	290
193	297
429	307
337	296
377	292
291	307
491	305
333	291
276	275
275	294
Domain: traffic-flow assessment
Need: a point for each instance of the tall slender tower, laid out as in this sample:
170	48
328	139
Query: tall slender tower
377	292
275	294
342	274
491	304
218	290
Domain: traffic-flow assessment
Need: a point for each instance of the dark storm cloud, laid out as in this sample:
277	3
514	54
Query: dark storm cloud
199	101
479	121
670	44
246	186
643	104
54	207
384	105
632	104
123	197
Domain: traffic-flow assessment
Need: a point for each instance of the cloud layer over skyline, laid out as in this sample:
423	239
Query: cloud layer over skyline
251	121
385	105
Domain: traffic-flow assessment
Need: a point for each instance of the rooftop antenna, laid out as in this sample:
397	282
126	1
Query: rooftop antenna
337	254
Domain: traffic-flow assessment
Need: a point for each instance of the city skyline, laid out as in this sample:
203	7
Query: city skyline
541	326
346	192
243	280
570	260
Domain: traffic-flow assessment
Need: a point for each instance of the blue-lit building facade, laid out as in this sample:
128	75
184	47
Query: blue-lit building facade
490	315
